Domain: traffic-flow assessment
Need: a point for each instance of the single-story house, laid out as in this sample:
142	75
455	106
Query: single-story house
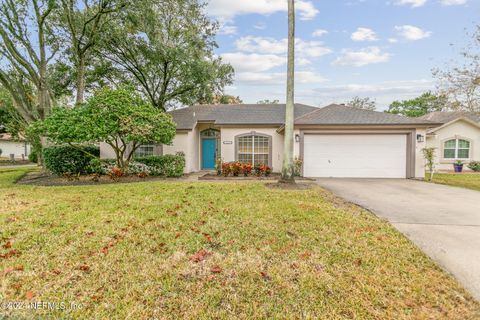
19	148
457	138
334	141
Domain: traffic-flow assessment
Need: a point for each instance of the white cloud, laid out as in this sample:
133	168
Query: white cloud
227	29
364	34
228	9
384	93
412	3
319	32
412	33
263	45
246	62
453	2
362	57
260	26
392	40
277	78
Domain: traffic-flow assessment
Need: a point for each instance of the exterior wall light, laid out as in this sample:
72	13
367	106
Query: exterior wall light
297	138
420	138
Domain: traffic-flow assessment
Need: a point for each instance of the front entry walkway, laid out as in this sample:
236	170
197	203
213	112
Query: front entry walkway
443	221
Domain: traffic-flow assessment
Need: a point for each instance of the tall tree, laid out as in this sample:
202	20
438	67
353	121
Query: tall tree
222	99
268	101
461	83
83	23
362	103
165	48
288	172
27	45
419	106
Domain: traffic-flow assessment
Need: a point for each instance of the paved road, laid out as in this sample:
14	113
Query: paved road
443	221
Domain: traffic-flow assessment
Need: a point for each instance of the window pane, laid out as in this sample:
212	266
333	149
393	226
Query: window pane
463	153
463	144
253	149
449	154
261	144
450	144
145	150
245	158
245	144
261	159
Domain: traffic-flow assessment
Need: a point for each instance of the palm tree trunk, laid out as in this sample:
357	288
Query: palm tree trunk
288	168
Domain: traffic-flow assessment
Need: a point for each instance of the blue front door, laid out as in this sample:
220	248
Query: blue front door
209	147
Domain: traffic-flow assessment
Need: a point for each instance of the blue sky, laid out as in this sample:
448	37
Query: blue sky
384	49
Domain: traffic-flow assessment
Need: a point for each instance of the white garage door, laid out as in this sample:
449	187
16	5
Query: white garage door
355	155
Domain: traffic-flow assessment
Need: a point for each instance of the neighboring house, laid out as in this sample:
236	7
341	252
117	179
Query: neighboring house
19	148
458	138
334	141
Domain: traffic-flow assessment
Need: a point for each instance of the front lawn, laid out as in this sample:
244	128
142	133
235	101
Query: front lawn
464	180
174	250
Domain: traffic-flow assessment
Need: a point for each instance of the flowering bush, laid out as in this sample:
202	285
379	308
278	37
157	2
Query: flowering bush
226	169
262	169
115	173
236	168
247	169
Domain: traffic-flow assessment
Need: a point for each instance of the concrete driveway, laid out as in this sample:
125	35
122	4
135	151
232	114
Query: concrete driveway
443	221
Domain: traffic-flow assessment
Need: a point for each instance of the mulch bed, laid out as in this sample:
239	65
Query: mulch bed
46	179
271	177
214	176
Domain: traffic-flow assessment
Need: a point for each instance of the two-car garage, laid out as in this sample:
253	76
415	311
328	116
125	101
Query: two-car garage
359	155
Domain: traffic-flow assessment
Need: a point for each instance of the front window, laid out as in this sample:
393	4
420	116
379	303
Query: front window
254	149
145	150
456	149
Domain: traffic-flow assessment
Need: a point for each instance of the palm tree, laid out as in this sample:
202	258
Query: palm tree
287	168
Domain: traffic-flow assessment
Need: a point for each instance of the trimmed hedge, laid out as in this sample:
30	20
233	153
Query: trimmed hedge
168	165
475	166
65	159
33	157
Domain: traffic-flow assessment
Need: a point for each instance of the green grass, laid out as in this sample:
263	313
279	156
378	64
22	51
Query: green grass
124	252
464	180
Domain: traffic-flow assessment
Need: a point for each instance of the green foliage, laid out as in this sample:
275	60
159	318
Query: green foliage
426	103
268	101
166	48
167	165
429	155
119	117
69	160
362	103
298	163
474	165
33	156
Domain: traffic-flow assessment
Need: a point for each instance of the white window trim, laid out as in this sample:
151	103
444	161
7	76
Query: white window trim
253	134
456	149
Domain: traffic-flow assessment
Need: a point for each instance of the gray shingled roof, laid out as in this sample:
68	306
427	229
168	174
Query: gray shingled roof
271	114
274	114
445	117
339	114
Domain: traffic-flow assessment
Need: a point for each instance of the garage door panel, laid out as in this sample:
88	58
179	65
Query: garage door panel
372	155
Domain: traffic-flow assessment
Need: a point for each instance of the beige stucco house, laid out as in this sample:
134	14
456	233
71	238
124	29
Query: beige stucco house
457	138
334	141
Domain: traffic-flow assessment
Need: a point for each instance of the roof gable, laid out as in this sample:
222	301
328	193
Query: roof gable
461	119
339	114
445	117
239	114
